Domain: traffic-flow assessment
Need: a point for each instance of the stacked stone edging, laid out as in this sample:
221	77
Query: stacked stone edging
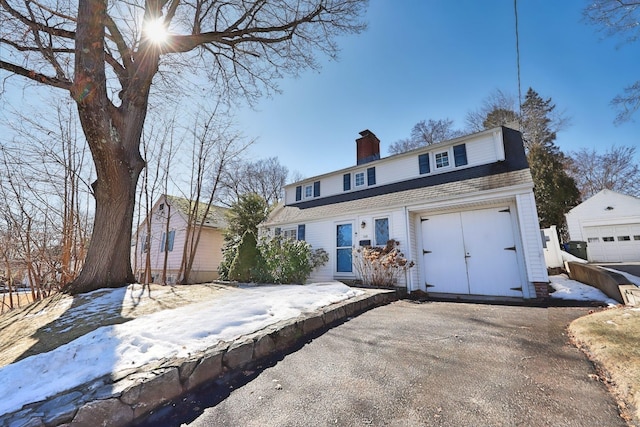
121	398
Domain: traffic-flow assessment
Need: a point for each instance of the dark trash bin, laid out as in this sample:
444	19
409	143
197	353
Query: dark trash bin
577	248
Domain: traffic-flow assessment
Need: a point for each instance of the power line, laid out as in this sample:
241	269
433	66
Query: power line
515	10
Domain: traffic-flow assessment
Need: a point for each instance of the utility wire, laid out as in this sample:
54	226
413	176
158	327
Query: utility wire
515	9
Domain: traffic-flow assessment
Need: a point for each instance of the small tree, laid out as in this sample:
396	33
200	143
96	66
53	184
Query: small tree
380	266
246	260
242	217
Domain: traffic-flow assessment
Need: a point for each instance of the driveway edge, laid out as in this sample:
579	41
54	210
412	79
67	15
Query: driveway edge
121	398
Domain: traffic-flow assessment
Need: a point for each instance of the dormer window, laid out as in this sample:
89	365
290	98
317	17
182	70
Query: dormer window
442	159
308	191
359	179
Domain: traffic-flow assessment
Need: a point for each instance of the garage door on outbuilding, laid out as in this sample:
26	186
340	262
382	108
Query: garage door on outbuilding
610	224
471	252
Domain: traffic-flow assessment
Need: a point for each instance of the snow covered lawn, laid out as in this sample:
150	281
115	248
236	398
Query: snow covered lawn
163	334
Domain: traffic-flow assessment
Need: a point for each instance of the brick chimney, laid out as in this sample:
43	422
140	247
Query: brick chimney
368	147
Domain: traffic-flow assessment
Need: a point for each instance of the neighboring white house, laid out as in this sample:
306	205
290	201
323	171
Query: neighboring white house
175	210
463	210
610	224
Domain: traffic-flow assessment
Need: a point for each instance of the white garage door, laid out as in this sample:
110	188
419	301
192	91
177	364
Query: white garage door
471	252
615	243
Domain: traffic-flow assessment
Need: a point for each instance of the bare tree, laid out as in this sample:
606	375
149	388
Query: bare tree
613	18
614	170
106	55
264	177
497	109
215	145
426	133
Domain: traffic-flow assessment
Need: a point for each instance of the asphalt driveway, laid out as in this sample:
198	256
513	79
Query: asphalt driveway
420	364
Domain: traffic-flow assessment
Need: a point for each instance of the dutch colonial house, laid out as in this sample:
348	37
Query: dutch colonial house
463	210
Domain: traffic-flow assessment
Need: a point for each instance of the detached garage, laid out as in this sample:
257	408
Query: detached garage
610	224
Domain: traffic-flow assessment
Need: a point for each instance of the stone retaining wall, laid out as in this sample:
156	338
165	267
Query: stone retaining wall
123	397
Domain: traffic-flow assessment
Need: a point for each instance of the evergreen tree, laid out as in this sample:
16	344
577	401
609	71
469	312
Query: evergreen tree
555	191
243	216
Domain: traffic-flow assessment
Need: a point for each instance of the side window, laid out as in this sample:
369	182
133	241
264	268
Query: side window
381	231
460	155
423	162
346	182
289	233
442	159
168	241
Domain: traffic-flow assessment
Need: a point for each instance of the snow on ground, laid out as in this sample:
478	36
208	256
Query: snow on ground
573	290
180	331
169	333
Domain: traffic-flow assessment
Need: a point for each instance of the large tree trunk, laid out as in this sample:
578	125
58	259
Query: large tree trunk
113	135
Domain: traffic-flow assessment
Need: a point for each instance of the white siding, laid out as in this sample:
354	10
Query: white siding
531	239
481	149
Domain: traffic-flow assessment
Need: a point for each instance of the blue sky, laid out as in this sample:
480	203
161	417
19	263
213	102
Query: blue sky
437	59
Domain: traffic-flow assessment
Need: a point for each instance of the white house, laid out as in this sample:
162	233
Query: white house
169	219
610	224
463	210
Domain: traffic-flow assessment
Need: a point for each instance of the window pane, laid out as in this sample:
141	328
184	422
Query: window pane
460	155
172	235
624	238
308	191
301	232
316	189
442	159
423	162
359	179
162	242
344	264
344	235
346	182
607	239
371	176
298	193
382	231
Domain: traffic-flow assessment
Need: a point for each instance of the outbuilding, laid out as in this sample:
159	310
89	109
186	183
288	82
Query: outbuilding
609	222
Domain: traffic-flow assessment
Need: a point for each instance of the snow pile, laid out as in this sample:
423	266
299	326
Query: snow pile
164	334
573	290
567	257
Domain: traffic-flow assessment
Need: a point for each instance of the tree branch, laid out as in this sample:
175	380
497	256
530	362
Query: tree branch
37	77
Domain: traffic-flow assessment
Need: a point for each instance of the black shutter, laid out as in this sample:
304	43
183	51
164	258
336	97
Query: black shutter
277	231
423	161
298	193
316	189
371	176
460	154
301	231
346	182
